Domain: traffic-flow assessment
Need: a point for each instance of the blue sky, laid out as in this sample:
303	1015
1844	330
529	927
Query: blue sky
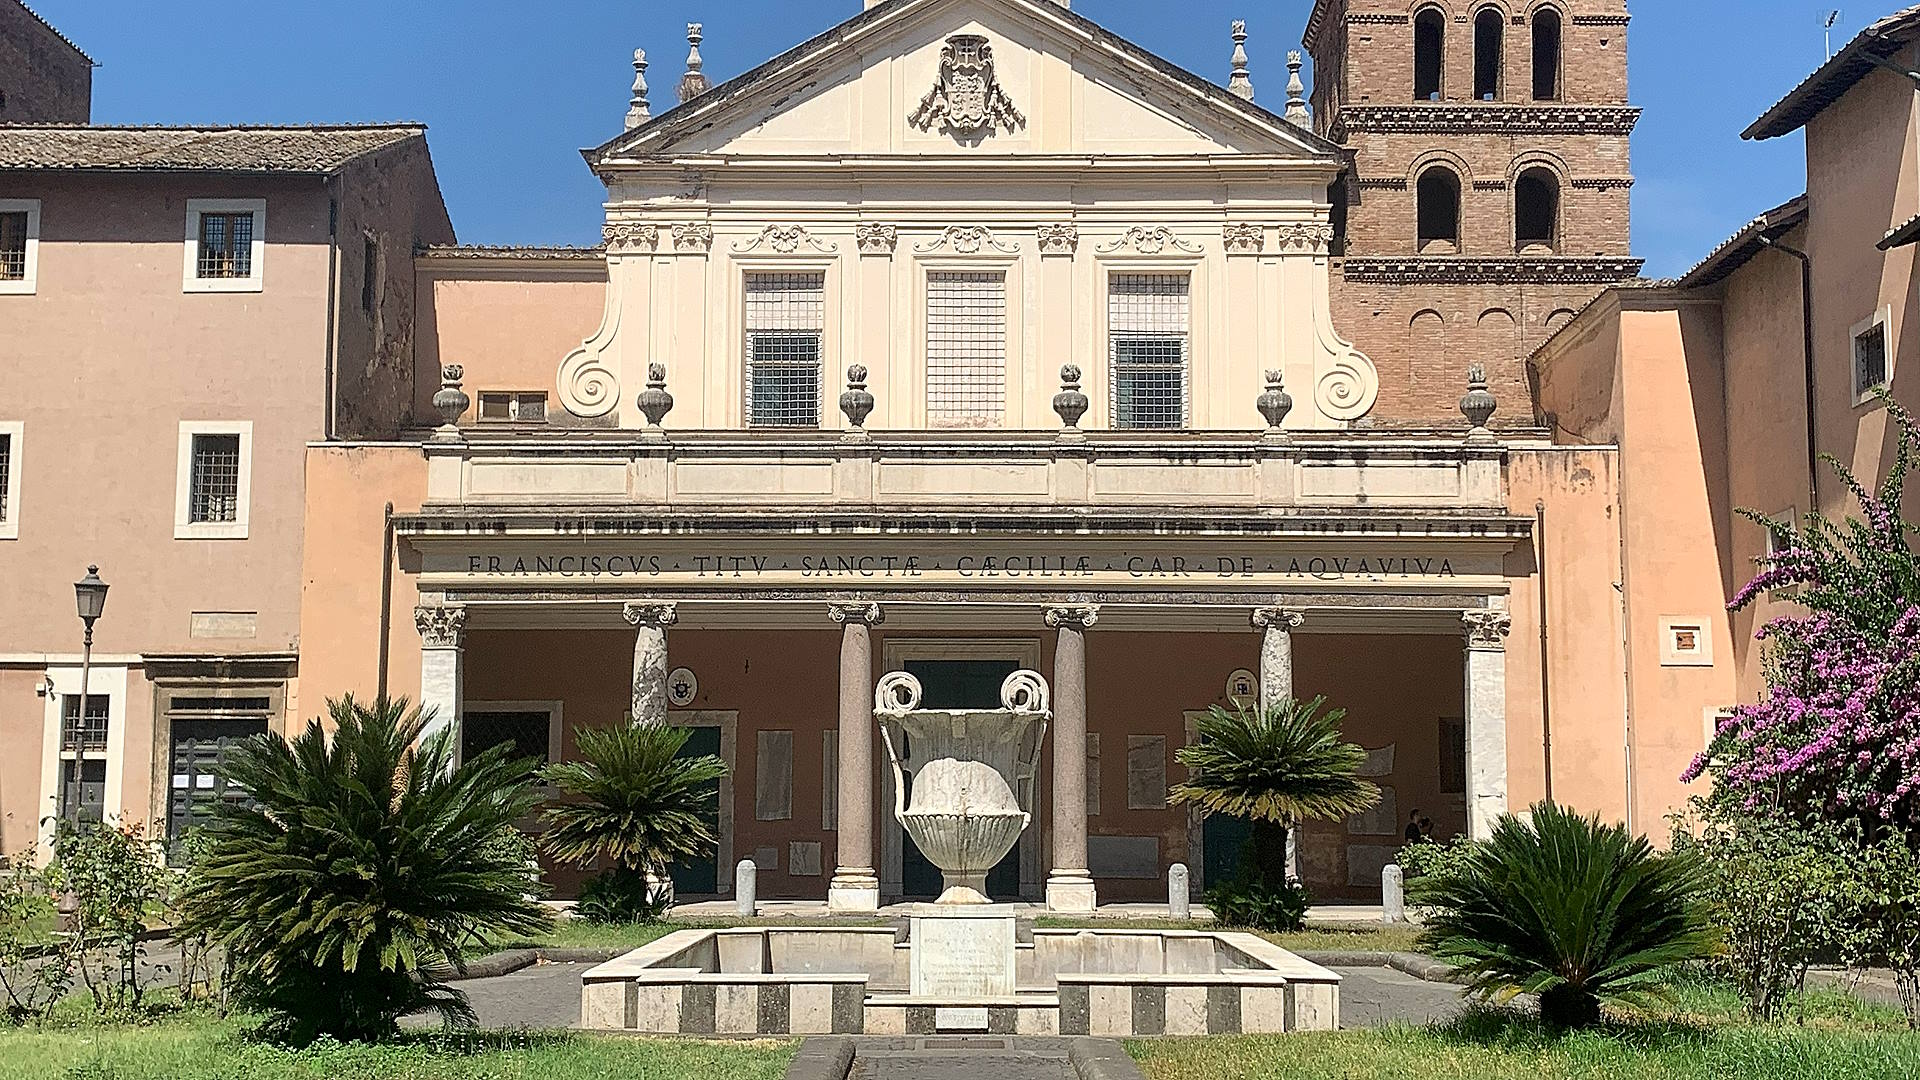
513	89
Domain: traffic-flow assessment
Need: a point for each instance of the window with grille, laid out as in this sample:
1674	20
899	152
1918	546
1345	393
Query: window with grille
6	473
13	245
1148	321
86	734
525	407
785	321
1869	359
524	734
966	348
226	244
214	495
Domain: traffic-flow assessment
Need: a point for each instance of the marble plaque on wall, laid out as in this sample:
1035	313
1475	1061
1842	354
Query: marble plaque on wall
1146	772
1130	857
1093	774
773	777
803	859
829	780
1365	861
766	859
1379	763
1383	819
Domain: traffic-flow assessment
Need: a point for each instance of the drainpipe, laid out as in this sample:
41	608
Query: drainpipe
1806	331
1546	695
386	597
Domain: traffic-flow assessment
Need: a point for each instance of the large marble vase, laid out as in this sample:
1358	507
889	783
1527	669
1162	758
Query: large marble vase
971	774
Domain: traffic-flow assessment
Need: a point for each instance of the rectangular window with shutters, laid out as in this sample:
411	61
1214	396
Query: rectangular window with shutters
10	479
786	326
226	245
966	348
1148	326
214	486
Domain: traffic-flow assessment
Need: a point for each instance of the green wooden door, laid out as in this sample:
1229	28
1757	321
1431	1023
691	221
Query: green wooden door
700	877
958	684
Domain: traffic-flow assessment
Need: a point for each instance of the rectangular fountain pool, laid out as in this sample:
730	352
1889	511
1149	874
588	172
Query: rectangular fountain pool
780	981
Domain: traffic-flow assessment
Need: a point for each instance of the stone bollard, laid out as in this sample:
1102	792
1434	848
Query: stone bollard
1393	894
745	886
1179	897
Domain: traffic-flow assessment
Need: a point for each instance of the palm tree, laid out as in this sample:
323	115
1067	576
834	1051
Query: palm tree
1274	769
361	862
1570	909
633	800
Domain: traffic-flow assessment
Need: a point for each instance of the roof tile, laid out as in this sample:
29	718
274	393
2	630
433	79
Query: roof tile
273	149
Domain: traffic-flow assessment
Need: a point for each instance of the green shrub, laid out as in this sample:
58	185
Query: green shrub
633	801
365	861
1428	863
32	980
116	878
622	897
1885	895
1572	910
1257	905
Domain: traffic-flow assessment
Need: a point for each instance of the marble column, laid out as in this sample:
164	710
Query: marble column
1486	719
650	659
1070	884
443	638
855	885
1276	652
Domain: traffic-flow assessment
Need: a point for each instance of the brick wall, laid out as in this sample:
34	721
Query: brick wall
1425	317
43	79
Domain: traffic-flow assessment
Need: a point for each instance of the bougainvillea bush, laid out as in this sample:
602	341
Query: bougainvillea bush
1836	736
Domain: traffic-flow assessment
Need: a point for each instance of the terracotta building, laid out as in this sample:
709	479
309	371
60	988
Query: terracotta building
960	338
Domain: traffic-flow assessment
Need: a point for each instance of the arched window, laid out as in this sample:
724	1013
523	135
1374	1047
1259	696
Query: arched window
1546	55
1536	211
1429	46
1439	209
1489	33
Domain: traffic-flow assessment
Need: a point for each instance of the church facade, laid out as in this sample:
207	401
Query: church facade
967	336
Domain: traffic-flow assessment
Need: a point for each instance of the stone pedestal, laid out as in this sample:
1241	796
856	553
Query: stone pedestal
960	954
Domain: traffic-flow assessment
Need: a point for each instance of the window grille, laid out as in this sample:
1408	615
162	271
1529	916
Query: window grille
523	733
226	245
88	735
6	472
967	348
786	317
214	495
1870	359
528	407
13	245
221	705
1148	316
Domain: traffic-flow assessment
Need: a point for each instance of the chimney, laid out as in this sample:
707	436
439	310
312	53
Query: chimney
1240	83
694	82
638	111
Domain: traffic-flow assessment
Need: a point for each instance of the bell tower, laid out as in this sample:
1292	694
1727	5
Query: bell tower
1488	193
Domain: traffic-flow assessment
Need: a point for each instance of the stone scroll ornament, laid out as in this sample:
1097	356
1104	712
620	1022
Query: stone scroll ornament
966	100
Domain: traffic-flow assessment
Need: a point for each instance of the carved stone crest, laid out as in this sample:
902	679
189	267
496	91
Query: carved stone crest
1059	239
1150	241
967	100
785	239
967	240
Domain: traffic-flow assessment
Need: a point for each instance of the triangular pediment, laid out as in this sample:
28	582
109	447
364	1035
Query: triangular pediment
996	78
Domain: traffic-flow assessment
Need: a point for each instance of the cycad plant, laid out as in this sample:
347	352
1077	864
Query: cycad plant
632	800
363	861
1274	769
1570	909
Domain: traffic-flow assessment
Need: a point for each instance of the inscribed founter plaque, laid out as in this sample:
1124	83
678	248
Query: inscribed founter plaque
961	956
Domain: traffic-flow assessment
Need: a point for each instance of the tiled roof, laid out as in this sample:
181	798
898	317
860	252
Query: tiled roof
514	251
55	31
268	149
1901	235
1836	76
1736	250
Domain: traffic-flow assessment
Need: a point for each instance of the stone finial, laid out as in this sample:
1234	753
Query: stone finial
638	110
1296	92
451	402
655	403
1240	82
1275	404
1070	403
857	403
694	82
1479	404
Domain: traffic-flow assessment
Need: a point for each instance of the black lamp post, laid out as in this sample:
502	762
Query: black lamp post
90	597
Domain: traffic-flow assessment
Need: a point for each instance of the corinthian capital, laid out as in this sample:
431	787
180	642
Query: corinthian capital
1073	616
656	616
1487	630
441	627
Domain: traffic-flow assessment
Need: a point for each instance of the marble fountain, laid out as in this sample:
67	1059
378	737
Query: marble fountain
962	963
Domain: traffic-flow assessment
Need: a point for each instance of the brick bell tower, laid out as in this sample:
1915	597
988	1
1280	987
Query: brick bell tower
1488	195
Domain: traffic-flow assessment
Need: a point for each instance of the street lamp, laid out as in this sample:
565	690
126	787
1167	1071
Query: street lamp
90	597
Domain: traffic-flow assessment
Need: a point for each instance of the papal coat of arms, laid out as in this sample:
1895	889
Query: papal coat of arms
967	101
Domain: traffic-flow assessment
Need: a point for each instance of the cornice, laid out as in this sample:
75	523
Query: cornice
1454	269
1486	118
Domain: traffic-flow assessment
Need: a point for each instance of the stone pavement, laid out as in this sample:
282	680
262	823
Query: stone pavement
1377	996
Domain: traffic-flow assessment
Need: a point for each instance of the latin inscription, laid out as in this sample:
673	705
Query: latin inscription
824	566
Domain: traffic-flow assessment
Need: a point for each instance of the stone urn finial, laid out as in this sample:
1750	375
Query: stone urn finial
1479	404
451	402
1070	403
1275	404
655	403
856	402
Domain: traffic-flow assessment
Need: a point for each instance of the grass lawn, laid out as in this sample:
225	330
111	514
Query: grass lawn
191	1046
1700	1035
